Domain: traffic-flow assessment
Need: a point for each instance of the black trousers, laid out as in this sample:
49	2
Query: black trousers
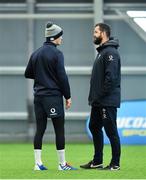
43	107
105	117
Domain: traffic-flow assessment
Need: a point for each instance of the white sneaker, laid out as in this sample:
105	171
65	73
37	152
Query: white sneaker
66	167
38	167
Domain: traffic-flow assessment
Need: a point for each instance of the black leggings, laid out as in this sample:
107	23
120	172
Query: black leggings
41	124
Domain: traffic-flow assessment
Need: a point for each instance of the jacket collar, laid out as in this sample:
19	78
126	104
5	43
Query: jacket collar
50	43
111	42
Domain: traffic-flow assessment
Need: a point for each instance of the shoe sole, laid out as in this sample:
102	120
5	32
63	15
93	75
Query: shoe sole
111	169
91	167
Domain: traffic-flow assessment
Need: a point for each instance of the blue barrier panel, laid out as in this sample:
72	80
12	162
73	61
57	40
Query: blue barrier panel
131	123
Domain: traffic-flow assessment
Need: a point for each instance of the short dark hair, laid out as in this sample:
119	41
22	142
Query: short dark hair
104	28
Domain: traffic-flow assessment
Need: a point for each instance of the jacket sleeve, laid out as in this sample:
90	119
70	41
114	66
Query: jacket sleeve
111	73
62	76
29	72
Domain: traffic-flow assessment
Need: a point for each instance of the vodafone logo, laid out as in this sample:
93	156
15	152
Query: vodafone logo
52	110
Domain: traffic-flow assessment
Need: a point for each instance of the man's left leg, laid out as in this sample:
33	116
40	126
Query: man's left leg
110	125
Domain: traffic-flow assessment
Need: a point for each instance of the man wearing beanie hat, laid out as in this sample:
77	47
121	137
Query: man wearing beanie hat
46	67
53	31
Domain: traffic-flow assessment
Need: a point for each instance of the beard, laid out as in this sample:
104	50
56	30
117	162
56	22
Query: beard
97	40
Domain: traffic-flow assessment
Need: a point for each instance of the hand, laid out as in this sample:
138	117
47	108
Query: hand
68	103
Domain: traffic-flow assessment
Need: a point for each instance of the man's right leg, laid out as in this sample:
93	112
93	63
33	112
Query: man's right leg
41	123
95	126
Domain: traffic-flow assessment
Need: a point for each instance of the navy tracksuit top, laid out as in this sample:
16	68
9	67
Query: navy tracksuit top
46	67
105	88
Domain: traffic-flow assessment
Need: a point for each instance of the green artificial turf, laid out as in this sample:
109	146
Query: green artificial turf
17	162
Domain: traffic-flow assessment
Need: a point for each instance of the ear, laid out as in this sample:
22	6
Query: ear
103	33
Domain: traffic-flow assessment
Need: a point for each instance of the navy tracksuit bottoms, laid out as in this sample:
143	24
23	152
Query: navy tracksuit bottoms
105	117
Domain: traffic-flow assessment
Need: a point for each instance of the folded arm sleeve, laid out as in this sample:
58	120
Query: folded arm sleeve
29	72
62	76
111	64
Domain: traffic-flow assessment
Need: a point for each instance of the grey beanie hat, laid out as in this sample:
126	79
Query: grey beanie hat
53	31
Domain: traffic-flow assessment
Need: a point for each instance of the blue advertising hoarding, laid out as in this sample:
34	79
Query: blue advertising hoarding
131	123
